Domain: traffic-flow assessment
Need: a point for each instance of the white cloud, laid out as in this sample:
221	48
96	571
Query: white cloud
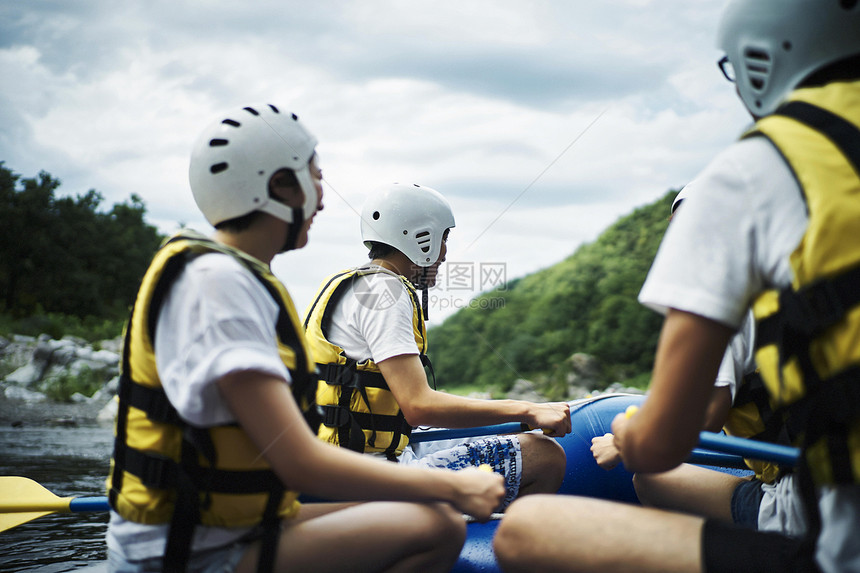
477	99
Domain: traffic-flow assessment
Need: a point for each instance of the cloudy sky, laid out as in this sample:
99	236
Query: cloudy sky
541	121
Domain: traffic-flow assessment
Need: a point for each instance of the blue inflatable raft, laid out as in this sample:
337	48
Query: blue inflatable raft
589	418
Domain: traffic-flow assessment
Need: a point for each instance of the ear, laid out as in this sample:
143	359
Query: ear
284	187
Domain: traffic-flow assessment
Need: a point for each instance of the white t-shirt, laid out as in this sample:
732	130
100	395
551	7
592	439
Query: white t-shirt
729	242
739	359
217	319
373	318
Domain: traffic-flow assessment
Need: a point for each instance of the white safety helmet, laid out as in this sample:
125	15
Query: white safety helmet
410	218
773	45
234	158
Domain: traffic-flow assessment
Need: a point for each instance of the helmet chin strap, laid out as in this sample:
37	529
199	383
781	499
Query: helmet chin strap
293	230
422	284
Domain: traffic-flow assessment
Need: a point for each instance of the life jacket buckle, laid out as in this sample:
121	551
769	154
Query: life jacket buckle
339	374
334	416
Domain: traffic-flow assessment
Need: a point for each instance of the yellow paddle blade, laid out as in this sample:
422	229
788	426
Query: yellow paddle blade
23	500
10	520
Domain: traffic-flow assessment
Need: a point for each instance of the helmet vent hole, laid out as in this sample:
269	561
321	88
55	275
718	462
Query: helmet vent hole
252	111
218	167
295	117
405	232
218	142
753	54
232	122
274	109
376	215
423	240
758	67
786	46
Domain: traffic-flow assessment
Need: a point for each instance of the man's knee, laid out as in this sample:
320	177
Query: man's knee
513	540
444	524
643	483
543	458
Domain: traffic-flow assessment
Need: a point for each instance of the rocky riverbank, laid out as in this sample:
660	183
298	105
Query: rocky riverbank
31	368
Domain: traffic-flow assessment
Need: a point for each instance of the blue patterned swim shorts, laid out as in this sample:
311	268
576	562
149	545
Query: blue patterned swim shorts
502	453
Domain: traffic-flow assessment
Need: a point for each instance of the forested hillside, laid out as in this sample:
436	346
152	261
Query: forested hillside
64	261
65	255
584	304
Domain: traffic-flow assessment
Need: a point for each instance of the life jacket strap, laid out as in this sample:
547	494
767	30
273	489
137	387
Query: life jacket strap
349	376
154	402
186	516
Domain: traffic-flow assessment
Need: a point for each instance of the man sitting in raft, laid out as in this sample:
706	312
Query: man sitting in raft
740	406
212	445
773	226
366	330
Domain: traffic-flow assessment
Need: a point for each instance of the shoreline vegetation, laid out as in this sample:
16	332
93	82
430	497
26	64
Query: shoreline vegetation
567	331
71	381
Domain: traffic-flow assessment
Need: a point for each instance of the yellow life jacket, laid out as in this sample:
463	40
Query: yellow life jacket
808	334
165	471
752	417
358	410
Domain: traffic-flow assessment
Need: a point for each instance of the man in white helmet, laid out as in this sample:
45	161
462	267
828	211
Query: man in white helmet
739	406
215	431
774	225
366	330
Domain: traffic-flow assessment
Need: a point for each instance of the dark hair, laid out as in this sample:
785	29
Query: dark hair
238	224
379	250
845	69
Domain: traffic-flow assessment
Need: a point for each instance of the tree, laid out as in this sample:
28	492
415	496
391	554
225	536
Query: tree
585	303
64	255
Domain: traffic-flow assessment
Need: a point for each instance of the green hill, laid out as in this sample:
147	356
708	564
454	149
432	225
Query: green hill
583	304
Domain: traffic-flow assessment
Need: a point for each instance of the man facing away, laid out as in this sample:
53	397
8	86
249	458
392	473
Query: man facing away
774	225
215	433
367	332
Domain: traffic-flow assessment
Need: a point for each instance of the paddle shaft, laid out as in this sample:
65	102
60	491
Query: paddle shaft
784	455
59	505
458	433
708	441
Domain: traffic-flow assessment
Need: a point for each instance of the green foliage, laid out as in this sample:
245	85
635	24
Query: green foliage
63	256
586	303
57	325
62	387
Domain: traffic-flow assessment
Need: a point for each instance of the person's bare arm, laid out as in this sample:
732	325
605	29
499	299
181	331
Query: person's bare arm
718	409
662	434
264	407
423	406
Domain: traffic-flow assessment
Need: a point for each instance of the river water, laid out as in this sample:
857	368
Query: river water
68	461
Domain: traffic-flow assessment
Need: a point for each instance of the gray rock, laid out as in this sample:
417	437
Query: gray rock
525	390
107	414
24	395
